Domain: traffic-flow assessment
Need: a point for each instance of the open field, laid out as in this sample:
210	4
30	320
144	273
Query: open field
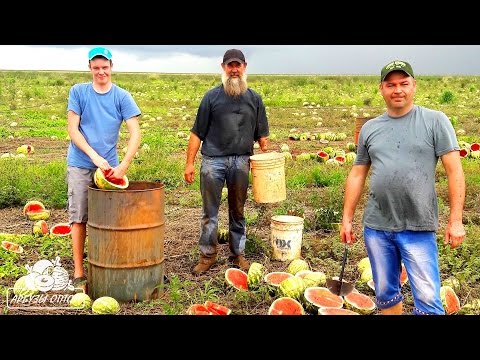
33	111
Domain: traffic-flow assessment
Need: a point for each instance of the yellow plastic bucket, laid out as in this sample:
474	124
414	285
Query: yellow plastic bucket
268	177
286	237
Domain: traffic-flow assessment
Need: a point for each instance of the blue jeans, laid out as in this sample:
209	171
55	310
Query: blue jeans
419	252
214	173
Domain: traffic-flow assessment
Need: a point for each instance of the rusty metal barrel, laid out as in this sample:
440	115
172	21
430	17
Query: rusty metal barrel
126	230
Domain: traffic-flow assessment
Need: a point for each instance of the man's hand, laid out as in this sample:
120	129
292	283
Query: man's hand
454	233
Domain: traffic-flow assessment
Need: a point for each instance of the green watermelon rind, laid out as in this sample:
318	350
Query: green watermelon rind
352	305
255	274
450	308
105	305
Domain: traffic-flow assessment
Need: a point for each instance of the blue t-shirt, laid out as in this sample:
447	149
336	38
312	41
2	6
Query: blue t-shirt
101	116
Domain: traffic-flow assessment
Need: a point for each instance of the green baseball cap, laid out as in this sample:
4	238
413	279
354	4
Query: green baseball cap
99	51
396	65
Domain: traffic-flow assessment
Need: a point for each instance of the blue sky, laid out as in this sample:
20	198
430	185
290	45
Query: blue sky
261	59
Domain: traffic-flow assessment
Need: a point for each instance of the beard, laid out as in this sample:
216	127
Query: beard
234	86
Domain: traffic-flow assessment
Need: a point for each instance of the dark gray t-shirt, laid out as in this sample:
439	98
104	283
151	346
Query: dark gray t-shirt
403	153
230	125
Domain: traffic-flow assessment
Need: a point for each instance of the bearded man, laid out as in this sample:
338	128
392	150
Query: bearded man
230	119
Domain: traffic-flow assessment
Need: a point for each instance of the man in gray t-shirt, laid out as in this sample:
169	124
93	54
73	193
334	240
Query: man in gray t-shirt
402	148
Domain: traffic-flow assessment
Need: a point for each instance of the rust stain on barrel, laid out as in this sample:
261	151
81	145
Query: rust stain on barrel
126	241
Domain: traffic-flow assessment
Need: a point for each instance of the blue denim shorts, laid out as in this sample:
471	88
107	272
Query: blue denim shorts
418	251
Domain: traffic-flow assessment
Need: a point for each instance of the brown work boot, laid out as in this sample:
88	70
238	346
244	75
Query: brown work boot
240	262
204	264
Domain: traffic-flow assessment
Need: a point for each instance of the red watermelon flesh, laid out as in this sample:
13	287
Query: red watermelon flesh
360	302
475	147
198	309
463	153
286	306
322	297
334	311
237	278
217	309
276	277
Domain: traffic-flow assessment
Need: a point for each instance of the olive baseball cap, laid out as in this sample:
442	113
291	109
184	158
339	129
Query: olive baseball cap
233	55
100	51
396	65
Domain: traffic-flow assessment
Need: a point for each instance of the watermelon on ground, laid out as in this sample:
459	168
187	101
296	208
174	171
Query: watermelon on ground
286	306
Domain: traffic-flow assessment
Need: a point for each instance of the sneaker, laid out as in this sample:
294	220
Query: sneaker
204	264
240	262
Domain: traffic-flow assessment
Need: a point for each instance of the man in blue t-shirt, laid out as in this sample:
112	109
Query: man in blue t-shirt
96	111
402	147
230	119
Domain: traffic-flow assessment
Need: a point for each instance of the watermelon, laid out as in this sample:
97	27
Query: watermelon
40	228
276	277
108	183
371	284
303	273
255	274
297	265
11	246
322	156
334	311
198	309
286	306
80	301
217	309
25	286
26	149
315	278
317	296
60	229
237	278
360	303
363	264
33	206
105	305
450	300
292	287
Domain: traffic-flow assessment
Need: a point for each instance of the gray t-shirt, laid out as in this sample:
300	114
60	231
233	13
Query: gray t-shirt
403	153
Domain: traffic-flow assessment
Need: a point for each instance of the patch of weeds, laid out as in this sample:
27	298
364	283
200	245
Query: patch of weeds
9	196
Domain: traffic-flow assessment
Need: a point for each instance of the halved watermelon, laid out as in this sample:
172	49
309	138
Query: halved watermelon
198	309
286	306
237	278
334	311
450	300
106	182
33	206
360	303
60	229
318	296
217	309
276	277
11	246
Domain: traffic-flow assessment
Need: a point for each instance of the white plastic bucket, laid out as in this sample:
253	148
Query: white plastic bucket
268	177
286	237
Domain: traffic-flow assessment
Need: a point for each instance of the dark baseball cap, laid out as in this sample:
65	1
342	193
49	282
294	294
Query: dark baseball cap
233	55
397	65
100	51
